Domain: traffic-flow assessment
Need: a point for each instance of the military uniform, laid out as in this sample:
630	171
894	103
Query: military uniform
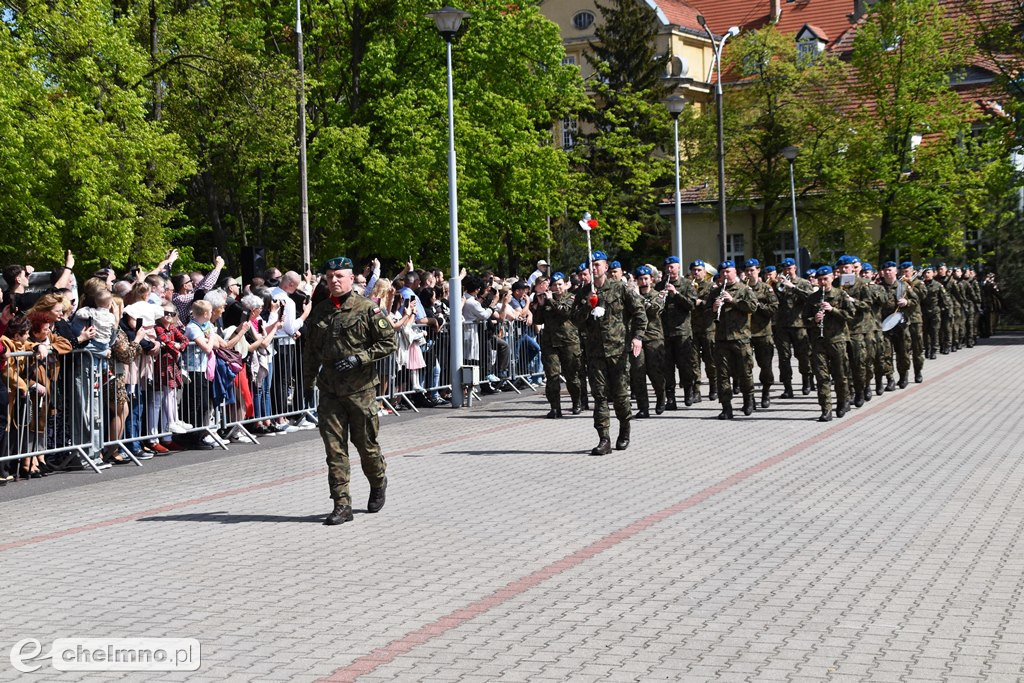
733	356
339	329
679	341
761	335
828	344
560	349
652	361
702	320
916	329
973	296
861	327
934	305
898	338
790	333
607	339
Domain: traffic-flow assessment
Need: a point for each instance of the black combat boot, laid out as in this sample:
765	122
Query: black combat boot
642	414
622	443
766	399
340	515
867	394
554	413
696	394
748	404
858	398
787	391
811	383
376	501
878	386
603	447
726	413
918	377
826	416
903	382
805	388
687	396
890	384
944	350
659	405
842	409
576	409
713	394
670	401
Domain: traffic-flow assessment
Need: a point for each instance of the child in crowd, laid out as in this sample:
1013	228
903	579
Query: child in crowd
172	343
96	311
195	401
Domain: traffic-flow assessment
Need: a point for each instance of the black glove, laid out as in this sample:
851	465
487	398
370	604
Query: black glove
346	364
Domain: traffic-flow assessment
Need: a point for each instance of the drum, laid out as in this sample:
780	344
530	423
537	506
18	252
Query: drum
893	321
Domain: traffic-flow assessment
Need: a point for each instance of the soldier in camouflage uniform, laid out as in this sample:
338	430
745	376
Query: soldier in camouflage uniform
559	344
583	276
732	302
651	363
859	327
761	327
703	322
679	299
960	306
973	294
934	305
345	335
899	336
790	335
874	365
613	323
916	320
827	314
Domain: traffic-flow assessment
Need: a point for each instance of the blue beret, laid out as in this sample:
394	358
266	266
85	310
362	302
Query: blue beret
889	264
866	266
752	263
671	259
811	272
599	256
786	262
927	268
615	264
824	270
843	260
698	263
907	264
558	276
581	267
855	259
643	270
769	269
728	263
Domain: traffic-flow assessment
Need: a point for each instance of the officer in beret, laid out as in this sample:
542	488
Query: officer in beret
679	297
651	361
934	304
761	339
615	270
560	345
703	319
875	343
345	335
732	302
827	314
916	320
861	327
613	322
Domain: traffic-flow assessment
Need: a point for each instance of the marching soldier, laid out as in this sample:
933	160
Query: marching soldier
828	314
613	322
732	303
679	299
583	281
973	290
916	323
761	327
991	307
651	363
860	326
873	341
560	345
790	335
934	305
345	335
900	297
703	320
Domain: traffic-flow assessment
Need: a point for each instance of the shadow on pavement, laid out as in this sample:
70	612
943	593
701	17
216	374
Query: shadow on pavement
508	452
223	517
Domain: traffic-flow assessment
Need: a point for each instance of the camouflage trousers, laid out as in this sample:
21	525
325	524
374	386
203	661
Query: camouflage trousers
971	325
792	341
650	364
703	350
764	354
828	358
858	367
733	358
678	357
917	346
932	331
609	381
561	361
352	415
876	365
898	344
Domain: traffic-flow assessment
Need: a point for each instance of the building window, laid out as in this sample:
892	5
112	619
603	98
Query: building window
569	128
569	59
583	20
807	50
784	247
734	250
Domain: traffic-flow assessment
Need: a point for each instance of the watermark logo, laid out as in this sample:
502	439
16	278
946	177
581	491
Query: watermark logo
108	654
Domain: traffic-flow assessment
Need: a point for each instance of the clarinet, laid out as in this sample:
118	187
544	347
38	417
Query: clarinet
821	323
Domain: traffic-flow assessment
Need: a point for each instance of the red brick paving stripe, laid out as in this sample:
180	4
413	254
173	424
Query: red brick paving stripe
170	507
388	653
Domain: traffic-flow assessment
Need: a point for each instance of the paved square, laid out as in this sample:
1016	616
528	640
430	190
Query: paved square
886	545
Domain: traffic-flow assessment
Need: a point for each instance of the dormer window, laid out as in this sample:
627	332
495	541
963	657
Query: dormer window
810	42
583	20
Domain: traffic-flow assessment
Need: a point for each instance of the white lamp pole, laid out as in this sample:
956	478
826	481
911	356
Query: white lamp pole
675	105
448	21
790	153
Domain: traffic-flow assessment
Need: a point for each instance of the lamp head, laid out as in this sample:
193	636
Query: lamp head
702	21
733	31
448	20
790	152
675	104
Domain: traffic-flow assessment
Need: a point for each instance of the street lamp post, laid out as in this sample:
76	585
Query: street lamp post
675	105
719	45
790	153
448	21
303	189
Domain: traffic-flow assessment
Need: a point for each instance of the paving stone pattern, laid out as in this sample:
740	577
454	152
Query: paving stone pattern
884	546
